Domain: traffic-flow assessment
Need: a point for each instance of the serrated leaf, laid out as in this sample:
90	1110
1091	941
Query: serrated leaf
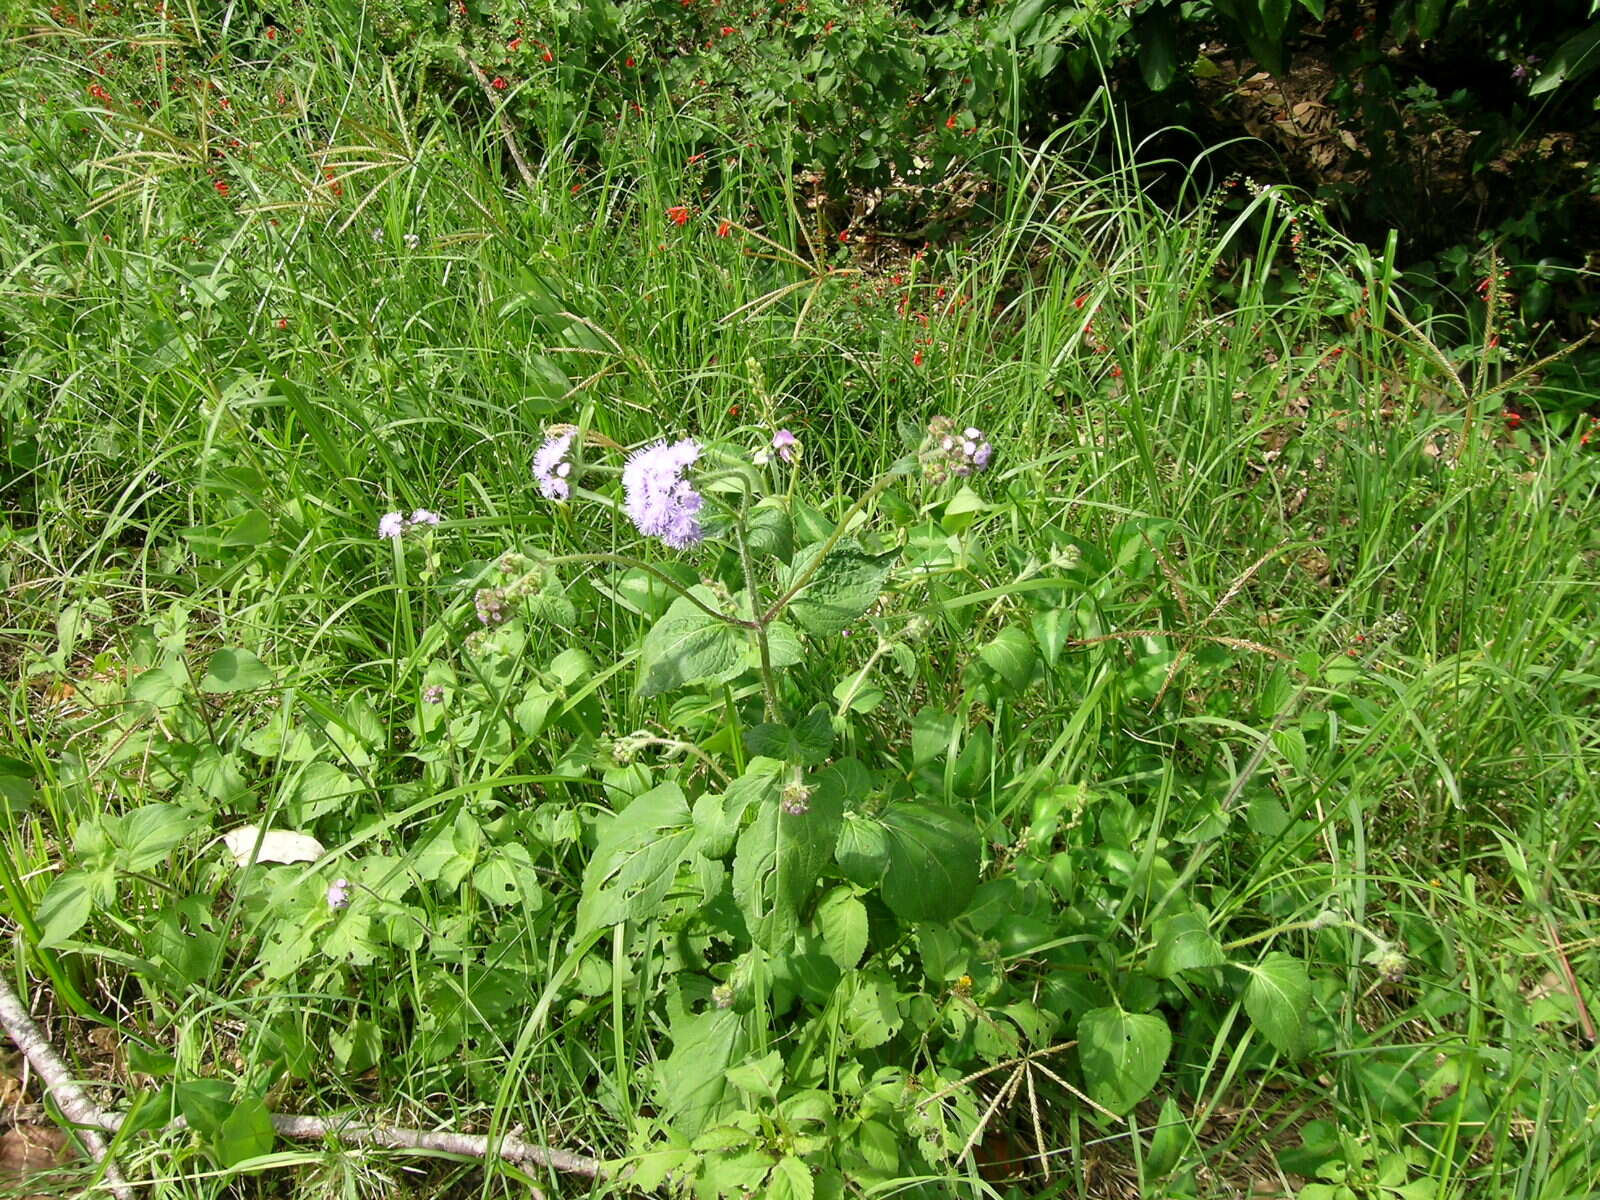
845	585
770	533
1183	943
791	1180
923	858
235	671
693	1078
761	1076
688	645
1278	999
781	855
639	853
873	1015
807	741
1122	1054
842	920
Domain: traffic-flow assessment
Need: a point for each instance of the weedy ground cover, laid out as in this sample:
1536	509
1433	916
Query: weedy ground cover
1103	707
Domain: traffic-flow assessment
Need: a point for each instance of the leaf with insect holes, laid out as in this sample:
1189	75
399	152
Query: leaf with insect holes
1122	1054
251	844
638	856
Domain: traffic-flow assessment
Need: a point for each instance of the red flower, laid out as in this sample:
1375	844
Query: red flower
282	322
630	61
724	228
272	33
950	122
548	57
733	410
678	214
514	43
916	359
727	31
498	84
1513	419
222	187
844	236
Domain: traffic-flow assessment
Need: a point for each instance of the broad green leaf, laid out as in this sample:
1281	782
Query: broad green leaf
509	877
807	741
205	1103
322	788
781	855
761	1076
791	1180
16	786
688	645
873	1014
1157	37
1278	999
1571	60
770	532
65	906
1122	1054
844	586
1183	943
1010	656
639	853
148	835
235	671
694	1077
246	1133
922	857
1169	1140
358	1046
842	920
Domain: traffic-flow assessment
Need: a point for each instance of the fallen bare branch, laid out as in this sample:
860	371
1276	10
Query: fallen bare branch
506	131
92	1120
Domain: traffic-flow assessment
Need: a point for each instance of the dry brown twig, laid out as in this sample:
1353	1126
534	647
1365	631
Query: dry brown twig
91	1121
506	131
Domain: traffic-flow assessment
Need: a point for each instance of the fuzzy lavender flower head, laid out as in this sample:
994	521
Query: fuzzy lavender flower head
339	894
391	525
433	694
660	501
551	468
425	516
786	444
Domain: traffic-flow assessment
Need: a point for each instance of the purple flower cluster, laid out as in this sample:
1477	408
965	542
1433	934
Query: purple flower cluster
951	450
551	467
394	525
786	444
661	502
339	894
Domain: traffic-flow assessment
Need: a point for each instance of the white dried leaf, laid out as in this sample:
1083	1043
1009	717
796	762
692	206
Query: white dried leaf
249	844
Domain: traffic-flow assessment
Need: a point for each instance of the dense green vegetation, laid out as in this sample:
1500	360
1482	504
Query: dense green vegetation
1134	734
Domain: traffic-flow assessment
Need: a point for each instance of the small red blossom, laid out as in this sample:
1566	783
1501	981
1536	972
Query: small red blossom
678	214
514	44
1080	301
733	410
630	62
282	322
950	121
498	83
272	33
844	236
548	57
1513	419
727	31
916	359
724	228
222	187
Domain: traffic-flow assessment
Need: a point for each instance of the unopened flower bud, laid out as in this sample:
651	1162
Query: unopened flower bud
722	995
796	800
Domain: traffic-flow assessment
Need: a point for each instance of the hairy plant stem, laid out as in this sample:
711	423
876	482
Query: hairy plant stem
769	684
627	561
